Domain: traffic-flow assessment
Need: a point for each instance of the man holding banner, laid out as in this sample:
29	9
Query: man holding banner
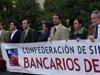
4	36
28	35
80	32
15	33
94	29
58	32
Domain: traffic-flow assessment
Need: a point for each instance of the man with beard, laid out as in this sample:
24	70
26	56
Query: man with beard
58	32
94	29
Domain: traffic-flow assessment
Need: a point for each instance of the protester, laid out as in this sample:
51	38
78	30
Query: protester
28	35
15	33
80	32
58	32
46	28
94	29
4	36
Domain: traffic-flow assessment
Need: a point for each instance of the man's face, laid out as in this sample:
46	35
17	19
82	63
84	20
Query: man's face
44	28
95	20
24	24
12	26
77	25
56	20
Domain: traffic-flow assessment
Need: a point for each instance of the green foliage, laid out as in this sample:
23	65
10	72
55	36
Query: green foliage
27	9
51	7
70	10
5	11
30	9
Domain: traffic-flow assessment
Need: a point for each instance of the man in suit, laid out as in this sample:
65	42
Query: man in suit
94	29
58	32
4	36
15	34
28	35
46	28
14	37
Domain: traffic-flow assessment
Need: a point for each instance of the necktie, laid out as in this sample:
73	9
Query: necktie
54	31
44	33
96	32
24	34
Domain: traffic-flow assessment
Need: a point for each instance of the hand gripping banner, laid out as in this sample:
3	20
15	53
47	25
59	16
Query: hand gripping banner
56	58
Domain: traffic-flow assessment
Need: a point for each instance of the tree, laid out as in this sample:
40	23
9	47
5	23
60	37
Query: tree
51	7
27	9
70	10
5	11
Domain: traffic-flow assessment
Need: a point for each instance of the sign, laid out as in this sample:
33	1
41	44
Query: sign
56	58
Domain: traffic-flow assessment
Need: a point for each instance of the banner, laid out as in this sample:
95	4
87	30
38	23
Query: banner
56	58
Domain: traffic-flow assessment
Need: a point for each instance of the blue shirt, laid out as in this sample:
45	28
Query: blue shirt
44	36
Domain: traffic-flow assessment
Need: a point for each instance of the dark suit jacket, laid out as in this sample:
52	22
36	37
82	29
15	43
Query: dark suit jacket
30	37
44	36
16	37
91	30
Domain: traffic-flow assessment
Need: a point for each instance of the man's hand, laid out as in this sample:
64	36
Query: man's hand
66	39
78	39
2	42
50	40
91	38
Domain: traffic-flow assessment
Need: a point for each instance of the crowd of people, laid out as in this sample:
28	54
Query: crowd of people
57	32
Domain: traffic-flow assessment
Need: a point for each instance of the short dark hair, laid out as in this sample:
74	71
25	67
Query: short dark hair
48	24
80	21
59	16
15	23
2	23
28	21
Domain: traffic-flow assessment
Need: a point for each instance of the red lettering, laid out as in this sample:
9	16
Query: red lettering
52	64
32	63
58	62
69	59
26	63
87	70
39	62
64	63
44	63
95	65
77	64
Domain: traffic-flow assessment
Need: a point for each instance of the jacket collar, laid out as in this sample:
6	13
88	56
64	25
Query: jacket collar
80	32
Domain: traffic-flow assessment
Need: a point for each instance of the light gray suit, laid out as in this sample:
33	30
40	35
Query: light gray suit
60	34
3	38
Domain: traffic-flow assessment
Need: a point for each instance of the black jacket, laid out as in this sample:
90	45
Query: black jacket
16	37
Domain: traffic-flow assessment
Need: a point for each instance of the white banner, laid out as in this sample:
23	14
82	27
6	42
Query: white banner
56	58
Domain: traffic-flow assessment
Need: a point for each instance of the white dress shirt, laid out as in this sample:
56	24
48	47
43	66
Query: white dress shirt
58	26
98	37
1	31
13	33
